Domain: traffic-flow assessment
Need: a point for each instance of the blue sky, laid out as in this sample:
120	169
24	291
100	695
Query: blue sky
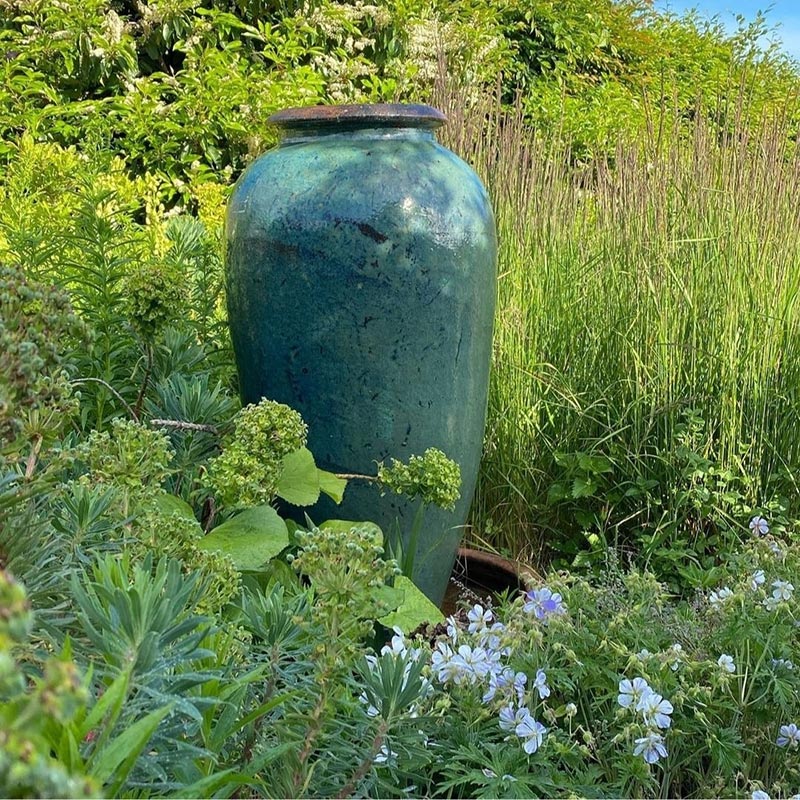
785	14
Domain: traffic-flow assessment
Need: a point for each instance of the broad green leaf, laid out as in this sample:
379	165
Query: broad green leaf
415	609
299	481
583	487
119	756
169	504
344	525
332	485
251	538
391	596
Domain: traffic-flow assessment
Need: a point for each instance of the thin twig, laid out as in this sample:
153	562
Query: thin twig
184	426
146	380
30	464
356	476
366	764
110	389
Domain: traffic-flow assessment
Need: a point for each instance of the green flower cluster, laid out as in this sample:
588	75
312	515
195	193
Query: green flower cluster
154	296
131	457
433	477
249	468
348	575
176	536
27	768
36	325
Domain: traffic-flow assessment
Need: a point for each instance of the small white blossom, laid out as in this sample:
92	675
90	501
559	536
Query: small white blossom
757	580
677	649
479	618
782	590
651	747
631	692
718	597
726	662
655	709
385	755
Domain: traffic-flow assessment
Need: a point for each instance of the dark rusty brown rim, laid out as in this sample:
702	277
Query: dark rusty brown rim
525	574
394	115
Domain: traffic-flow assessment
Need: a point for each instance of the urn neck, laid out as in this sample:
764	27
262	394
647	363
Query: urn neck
373	121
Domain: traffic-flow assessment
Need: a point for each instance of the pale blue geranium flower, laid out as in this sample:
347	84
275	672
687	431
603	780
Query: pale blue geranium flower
782	590
531	731
479	618
543	603
759	795
509	718
655	709
631	692
490	639
651	747
770	603
472	664
718	597
759	526
505	679
399	646
726	662
443	664
452	629
782	663
758	579
540	684
371	710
789	735
677	650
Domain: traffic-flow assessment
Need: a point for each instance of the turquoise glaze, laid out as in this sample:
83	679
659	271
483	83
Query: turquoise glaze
361	287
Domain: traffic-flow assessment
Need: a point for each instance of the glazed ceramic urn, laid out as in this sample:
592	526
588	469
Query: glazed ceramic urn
360	258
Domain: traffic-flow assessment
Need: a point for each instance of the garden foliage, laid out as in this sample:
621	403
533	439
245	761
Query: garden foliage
164	631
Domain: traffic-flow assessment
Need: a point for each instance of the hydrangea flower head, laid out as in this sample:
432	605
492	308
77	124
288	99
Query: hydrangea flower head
789	735
651	747
543	603
759	526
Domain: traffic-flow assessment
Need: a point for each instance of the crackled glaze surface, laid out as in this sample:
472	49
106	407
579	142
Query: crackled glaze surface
361	288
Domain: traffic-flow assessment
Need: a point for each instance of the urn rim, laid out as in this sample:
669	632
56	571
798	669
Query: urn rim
405	115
